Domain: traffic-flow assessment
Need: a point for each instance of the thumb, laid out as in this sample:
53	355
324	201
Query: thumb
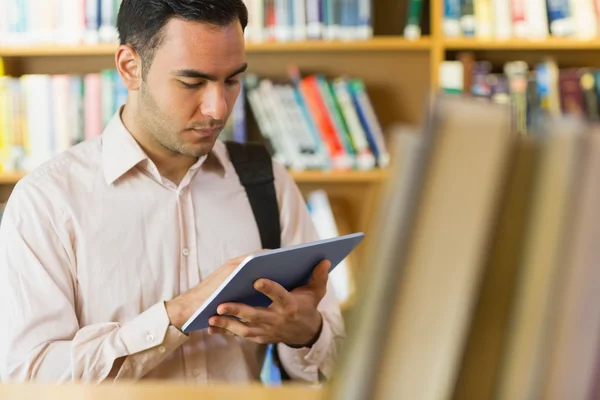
320	275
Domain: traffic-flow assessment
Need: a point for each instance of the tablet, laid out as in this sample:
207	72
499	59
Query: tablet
291	267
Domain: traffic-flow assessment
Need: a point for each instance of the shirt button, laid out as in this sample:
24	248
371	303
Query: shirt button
150	337
196	371
186	252
162	349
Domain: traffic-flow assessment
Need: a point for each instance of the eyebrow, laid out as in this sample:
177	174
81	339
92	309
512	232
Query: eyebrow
194	73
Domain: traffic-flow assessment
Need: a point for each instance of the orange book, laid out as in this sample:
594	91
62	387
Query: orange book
316	105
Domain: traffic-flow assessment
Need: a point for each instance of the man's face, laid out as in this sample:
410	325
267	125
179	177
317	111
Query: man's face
192	85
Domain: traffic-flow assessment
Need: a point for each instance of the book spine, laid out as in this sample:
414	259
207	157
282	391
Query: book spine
313	20
519	20
571	93
559	17
300	20
502	19
451	23
315	104
369	120
483	18
584	19
537	19
468	23
412	30
366	159
365	19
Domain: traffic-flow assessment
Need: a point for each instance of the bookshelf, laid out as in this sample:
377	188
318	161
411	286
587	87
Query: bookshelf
399	73
399	96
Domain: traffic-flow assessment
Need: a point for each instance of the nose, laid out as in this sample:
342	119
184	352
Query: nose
214	103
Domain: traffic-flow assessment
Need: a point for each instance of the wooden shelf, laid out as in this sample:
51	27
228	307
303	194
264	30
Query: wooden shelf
56	50
159	391
385	43
375	176
10	178
376	44
521	44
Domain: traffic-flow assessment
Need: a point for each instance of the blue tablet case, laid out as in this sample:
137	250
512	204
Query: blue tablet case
291	267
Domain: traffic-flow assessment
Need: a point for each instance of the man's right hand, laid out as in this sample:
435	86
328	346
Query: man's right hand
182	307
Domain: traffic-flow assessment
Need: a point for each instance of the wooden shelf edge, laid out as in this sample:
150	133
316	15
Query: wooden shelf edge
376	44
521	44
108	49
105	49
155	391
374	176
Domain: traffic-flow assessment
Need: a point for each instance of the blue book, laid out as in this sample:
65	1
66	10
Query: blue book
559	18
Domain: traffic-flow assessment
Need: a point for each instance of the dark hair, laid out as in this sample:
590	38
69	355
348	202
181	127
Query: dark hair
141	22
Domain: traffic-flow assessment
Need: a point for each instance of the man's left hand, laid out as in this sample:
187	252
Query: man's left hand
292	318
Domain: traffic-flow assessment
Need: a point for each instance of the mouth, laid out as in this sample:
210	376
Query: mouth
208	132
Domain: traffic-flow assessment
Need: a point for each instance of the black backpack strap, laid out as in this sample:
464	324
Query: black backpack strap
254	167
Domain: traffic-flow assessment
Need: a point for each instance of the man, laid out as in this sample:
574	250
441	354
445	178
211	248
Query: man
107	249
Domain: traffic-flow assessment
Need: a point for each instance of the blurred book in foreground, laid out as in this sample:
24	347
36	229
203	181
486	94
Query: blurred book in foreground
484	273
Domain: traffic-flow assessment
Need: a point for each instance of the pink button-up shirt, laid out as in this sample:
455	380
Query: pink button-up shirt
94	241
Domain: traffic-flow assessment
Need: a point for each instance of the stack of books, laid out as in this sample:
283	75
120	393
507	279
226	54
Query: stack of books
484	273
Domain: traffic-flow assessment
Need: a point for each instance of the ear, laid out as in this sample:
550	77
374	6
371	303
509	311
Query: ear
129	65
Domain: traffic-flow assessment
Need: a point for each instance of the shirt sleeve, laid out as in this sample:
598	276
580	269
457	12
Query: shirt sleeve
307	364
40	336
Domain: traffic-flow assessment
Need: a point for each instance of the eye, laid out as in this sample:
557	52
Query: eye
191	85
232	82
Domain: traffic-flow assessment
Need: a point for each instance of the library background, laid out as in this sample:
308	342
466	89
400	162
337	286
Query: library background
459	135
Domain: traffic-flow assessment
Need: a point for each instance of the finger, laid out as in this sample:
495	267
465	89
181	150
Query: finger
320	276
236	327
274	291
219	331
254	315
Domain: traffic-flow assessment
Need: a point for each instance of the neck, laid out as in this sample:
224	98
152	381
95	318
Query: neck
170	164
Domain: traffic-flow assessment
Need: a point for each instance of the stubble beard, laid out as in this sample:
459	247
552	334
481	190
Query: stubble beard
160	129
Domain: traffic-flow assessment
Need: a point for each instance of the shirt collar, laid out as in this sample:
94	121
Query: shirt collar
121	152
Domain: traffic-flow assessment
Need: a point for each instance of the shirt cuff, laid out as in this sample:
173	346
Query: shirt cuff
138	365
147	330
304	363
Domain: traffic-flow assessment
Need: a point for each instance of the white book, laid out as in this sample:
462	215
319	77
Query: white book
314	25
324	221
537	19
70	19
92	35
256	17
4	16
47	28
63	127
39	120
264	119
300	28
502	19
365	27
283	27
282	131
584	19
316	156
108	20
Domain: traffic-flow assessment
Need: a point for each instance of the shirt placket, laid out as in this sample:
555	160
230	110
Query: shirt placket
195	360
